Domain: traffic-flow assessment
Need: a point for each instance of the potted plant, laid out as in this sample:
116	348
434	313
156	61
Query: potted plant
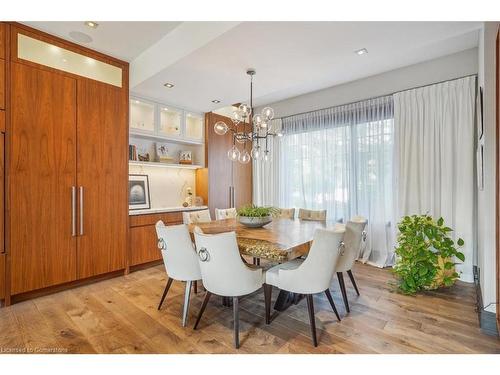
255	216
425	254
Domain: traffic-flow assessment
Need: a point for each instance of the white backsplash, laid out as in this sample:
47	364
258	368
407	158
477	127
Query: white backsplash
167	186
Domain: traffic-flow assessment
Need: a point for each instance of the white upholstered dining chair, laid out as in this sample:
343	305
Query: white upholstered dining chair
202	216
224	273
225	213
308	276
319	215
353	236
287	213
180	260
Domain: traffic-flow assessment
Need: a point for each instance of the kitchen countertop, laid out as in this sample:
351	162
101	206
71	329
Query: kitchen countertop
165	209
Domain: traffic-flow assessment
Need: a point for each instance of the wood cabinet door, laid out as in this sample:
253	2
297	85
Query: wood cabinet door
42	171
102	178
242	182
219	166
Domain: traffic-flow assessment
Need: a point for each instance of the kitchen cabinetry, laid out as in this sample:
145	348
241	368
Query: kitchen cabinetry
143	238
42	175
68	163
165	121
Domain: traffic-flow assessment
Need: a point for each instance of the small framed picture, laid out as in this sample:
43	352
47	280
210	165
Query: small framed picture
185	157
138	192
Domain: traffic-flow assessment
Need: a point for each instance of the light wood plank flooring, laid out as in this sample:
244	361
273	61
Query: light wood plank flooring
120	316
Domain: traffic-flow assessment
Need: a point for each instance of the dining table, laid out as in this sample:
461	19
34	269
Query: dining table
277	242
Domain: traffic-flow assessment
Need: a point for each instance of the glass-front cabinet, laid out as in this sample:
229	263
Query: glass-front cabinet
142	115
194	126
164	121
170	122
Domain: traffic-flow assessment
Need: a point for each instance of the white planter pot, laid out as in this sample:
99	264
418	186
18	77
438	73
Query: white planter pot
255	222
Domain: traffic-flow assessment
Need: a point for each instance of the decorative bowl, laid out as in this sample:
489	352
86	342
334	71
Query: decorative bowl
255	222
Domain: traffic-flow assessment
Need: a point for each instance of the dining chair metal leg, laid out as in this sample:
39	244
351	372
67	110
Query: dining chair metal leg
332	304
185	310
203	306
268	290
340	276
236	323
167	287
312	320
351	276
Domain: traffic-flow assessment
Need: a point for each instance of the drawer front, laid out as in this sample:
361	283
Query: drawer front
169	218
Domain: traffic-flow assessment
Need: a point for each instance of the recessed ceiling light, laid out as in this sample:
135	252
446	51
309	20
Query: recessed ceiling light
91	24
168	85
216	101
361	51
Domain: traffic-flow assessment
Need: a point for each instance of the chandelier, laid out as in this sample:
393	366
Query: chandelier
250	130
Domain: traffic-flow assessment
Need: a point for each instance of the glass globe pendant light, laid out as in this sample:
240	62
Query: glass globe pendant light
268	113
244	157
233	154
261	128
220	128
255	152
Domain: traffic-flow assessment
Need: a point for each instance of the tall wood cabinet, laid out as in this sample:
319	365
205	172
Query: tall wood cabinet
67	164
229	183
3	120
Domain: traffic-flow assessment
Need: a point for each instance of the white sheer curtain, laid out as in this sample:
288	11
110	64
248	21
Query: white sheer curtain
434	157
266	174
340	159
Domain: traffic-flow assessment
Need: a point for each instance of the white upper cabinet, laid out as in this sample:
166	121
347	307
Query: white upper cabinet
142	115
194	126
170	122
166	122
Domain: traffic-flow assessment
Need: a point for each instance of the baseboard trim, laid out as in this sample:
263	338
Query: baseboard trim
487	319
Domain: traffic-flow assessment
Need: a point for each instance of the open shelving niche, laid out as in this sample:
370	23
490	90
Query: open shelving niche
147	143
148	128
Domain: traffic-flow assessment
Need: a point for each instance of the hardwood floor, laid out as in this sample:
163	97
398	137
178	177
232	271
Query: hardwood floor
120	316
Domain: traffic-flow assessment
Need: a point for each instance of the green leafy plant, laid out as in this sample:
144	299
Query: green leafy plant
425	254
256	211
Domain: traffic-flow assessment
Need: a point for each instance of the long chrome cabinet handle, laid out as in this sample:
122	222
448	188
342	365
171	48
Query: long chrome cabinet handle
73	211
81	210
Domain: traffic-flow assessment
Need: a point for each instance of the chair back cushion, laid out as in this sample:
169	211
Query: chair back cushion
195	217
227	213
312	215
287	213
222	269
352	243
314	275
178	252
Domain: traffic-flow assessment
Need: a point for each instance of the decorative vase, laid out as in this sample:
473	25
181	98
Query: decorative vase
255	222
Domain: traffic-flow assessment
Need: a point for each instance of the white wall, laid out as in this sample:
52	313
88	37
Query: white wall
486	198
448	67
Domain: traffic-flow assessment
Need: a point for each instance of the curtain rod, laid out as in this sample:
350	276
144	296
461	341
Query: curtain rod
380	96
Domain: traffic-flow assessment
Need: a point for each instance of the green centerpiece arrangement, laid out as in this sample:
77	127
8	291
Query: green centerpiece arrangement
255	217
425	254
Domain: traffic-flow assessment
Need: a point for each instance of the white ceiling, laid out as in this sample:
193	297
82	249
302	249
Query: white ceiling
123	40
208	60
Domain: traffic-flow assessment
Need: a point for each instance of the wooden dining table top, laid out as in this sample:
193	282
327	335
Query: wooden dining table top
279	241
